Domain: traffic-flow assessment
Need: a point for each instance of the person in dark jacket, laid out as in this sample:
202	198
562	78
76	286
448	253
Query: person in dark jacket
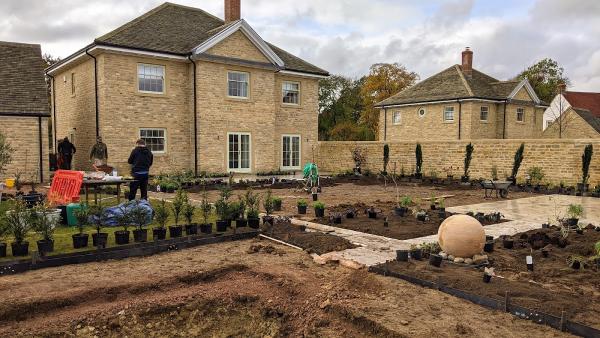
66	149
140	160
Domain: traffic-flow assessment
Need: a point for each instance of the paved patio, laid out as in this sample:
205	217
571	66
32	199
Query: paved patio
525	214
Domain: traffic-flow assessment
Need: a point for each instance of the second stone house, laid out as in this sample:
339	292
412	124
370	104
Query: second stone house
205	94
462	103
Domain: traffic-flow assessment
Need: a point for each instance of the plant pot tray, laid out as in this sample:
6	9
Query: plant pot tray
125	251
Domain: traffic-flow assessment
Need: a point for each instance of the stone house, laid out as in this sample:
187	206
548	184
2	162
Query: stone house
574	115
24	110
462	103
206	94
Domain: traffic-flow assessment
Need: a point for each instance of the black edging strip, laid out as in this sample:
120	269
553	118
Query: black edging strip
519	311
121	252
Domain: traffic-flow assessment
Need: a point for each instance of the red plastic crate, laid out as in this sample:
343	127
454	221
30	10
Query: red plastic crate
65	187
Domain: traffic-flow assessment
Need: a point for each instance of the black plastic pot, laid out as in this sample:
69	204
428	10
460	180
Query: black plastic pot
315	197
545	253
20	249
241	223
576	265
140	235
254	223
206	228
268	219
422	218
508	243
442	214
277	205
487	278
99	239
80	241
159	234
221	226
337	220
572	222
2	249
400	211
372	214
489	238
122	237
175	231
319	212
435	260
545	226
464	179
302	209
350	214
416	254
402	255
579	231
488	247
433	207
192	229
32	199
45	246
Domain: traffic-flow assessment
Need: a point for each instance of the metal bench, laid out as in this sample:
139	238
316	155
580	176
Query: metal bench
500	187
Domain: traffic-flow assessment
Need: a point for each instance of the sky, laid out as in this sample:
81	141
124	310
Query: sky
348	36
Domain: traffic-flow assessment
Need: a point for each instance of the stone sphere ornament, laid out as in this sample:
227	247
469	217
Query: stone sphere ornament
461	236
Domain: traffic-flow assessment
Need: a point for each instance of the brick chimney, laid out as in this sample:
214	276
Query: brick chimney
233	11
467	61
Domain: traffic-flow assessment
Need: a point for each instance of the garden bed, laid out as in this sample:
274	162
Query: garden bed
405	227
312	242
552	287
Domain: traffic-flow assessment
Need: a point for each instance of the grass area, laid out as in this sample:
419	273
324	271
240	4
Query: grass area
63	242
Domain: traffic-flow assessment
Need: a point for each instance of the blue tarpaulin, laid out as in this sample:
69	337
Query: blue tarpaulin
113	213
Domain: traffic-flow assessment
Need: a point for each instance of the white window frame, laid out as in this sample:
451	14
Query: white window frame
240	170
448	109
164	130
487	113
283	91
520	110
394	115
164	72
283	136
247	84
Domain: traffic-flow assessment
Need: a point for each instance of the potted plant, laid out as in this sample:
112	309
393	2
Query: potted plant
371	212
351	213
517	164
586	160
507	242
205	209
575	211
467	162
45	219
319	209
99	217
277	202
336	218
421	215
140	216
576	262
404	205
188	211
123	218
441	207
3	231
252	202
433	202
402	255
269	206
223	210
82	215
176	231
302	205
161	215
415	252
240	213
418	161
17	223
536	175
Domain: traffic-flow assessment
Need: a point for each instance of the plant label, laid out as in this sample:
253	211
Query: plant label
529	261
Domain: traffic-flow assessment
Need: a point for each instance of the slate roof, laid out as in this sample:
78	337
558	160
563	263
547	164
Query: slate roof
589	117
451	84
23	88
176	29
583	100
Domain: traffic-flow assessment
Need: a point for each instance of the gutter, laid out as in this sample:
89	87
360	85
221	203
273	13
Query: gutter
53	112
459	118
195	118
95	91
504	121
467	98
41	149
385	124
24	114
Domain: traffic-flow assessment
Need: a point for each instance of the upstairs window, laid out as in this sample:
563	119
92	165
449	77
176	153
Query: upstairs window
520	114
151	78
449	114
237	84
483	114
397	117
291	92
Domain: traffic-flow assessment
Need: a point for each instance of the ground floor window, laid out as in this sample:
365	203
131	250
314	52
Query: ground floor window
155	138
238	152
291	152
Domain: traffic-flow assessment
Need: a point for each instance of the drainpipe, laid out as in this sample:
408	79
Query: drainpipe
195	118
95	91
41	149
504	122
53	111
385	124
459	118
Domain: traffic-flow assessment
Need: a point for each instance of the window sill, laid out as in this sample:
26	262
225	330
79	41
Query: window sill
239	171
149	94
484	121
238	99
291	105
448	121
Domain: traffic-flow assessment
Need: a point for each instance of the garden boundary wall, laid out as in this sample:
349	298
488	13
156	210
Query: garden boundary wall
560	159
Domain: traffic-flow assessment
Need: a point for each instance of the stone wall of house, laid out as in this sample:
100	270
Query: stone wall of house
559	159
23	135
573	126
238	46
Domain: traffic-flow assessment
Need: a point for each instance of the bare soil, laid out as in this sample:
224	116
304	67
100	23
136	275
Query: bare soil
398	227
234	290
552	287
